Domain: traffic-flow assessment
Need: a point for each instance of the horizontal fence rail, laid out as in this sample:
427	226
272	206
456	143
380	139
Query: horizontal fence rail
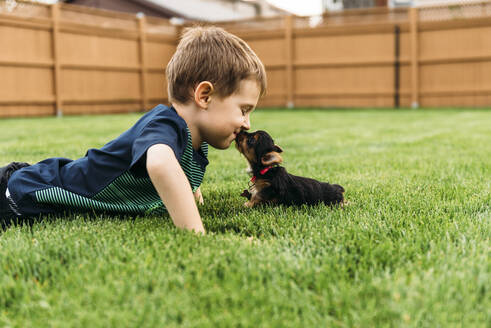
65	59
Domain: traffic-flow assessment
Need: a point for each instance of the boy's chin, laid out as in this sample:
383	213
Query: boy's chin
224	143
221	145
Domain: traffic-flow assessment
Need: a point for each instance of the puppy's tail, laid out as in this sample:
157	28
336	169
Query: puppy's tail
338	188
333	194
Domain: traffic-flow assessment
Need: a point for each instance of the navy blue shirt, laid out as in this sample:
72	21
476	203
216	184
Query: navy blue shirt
112	178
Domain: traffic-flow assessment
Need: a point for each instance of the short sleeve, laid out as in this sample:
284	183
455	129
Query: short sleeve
165	131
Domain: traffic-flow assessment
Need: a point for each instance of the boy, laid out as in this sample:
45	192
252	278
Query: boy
214	83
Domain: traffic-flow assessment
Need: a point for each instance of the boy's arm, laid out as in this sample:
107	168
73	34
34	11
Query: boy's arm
173	187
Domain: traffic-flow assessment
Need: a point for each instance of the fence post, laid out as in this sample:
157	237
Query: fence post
397	65
289	61
413	30
55	16
143	69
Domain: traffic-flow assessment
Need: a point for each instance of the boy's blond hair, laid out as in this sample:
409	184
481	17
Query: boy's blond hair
214	55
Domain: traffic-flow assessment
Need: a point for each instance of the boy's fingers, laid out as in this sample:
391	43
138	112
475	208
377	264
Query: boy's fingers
199	197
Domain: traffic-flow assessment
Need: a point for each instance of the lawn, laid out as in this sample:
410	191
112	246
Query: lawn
411	250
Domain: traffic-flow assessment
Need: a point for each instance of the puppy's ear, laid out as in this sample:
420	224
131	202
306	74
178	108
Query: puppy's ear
271	158
278	149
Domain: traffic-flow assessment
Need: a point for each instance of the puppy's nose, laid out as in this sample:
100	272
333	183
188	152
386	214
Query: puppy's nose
239	136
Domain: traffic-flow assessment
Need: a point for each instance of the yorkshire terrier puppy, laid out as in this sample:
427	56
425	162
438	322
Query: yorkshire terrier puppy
271	184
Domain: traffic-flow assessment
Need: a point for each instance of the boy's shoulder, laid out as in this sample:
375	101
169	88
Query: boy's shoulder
164	114
161	125
160	121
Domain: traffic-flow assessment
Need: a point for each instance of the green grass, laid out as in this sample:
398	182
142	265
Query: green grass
412	249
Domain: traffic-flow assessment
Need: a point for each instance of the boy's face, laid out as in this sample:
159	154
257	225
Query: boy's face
226	117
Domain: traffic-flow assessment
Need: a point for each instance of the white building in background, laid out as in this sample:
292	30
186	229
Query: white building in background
219	10
422	3
332	5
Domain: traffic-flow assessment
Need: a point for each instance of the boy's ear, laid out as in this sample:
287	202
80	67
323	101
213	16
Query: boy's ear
271	158
202	93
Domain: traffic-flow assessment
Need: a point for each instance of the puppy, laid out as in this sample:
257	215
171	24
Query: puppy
271	184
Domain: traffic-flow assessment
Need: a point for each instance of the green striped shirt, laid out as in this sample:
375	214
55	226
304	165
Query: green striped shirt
127	194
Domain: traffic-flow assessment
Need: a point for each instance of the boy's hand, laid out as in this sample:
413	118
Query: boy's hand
198	196
173	187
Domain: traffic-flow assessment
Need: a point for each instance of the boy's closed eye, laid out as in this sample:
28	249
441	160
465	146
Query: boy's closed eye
246	109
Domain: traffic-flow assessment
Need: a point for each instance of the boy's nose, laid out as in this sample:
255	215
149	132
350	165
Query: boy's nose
247	123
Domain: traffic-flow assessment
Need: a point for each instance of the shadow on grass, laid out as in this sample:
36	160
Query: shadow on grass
228	215
45	219
222	213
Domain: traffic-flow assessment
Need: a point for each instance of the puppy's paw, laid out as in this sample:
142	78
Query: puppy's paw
249	204
344	203
246	194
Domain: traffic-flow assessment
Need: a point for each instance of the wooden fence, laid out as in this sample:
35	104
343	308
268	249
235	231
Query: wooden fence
430	57
70	59
75	60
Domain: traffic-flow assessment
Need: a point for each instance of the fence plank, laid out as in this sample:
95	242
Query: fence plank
142	53
55	16
289	61
413	17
